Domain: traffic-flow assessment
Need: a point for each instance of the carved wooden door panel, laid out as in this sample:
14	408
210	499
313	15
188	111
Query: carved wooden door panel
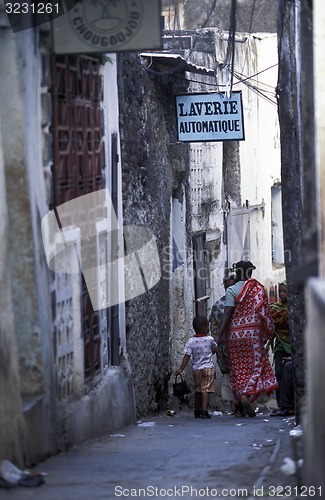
78	161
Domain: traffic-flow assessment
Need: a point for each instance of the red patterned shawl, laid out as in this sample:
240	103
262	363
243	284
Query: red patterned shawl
251	325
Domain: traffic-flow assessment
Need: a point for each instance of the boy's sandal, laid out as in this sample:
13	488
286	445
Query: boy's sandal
247	407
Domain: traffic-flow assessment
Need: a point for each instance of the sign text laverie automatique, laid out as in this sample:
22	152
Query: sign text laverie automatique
210	117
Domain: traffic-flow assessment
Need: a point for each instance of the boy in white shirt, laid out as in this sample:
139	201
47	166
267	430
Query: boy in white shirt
201	347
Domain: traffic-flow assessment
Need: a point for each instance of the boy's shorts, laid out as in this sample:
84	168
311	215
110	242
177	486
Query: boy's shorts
203	380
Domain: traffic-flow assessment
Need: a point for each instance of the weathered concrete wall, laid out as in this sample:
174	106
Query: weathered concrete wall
38	404
20	236
312	420
11	421
153	167
109	407
21	125
314	345
319	70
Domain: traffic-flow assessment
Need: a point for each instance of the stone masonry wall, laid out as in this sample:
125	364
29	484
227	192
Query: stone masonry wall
153	169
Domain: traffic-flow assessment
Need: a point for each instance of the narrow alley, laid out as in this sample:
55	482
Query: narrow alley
177	457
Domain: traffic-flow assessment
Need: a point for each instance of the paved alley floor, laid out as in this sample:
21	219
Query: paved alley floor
174	457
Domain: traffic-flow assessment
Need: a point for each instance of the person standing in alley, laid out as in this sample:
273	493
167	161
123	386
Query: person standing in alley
281	346
215	322
200	347
248	325
222	358
287	393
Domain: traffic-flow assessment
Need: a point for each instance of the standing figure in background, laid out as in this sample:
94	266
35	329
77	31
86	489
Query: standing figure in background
248	325
282	346
287	392
215	322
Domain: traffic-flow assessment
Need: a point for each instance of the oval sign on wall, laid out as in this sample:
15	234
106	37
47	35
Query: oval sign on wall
108	26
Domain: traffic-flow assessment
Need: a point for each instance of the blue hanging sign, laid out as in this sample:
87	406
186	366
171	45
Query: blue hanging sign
210	117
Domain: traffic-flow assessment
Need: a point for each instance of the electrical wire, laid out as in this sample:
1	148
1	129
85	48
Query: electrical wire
264	90
256	74
254	88
261	93
265	93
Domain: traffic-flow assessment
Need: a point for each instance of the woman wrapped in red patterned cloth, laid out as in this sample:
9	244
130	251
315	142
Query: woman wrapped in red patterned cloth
247	325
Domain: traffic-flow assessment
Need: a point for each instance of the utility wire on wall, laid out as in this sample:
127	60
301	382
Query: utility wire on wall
265	93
